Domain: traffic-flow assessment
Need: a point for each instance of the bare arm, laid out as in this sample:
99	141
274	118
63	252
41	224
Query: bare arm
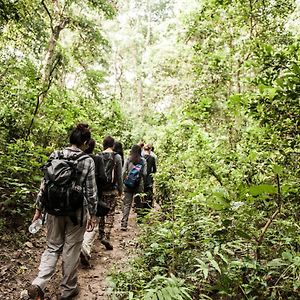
125	168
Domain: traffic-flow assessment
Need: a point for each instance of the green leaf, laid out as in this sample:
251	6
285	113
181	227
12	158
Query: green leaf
277	169
288	256
215	265
262	189
243	234
296	69
166	294
160	295
186	294
271	92
223	257
202	267
277	262
171	293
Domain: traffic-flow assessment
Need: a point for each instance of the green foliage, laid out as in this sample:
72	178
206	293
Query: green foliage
216	90
228	181
52	66
166	288
20	178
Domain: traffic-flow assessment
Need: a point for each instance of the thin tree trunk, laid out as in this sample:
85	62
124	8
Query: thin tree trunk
50	62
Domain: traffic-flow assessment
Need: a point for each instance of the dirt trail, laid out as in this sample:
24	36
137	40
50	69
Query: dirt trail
19	266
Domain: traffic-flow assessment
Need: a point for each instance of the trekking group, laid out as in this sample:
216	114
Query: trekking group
79	193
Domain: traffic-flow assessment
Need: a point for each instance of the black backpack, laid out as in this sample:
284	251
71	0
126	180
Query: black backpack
106	180
100	175
99	172
63	192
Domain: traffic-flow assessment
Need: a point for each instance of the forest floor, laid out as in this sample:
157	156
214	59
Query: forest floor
19	266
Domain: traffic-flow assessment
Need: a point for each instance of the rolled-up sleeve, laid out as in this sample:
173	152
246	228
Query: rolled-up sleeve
91	189
39	199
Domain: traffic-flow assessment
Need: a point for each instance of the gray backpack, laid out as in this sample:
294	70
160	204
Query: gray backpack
63	192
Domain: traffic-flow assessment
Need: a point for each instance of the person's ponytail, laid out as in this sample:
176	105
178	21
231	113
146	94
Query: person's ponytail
80	134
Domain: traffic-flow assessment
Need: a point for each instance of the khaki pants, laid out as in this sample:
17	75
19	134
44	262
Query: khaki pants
63	238
107	223
88	241
127	204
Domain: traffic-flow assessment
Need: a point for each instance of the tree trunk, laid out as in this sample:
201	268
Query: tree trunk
48	67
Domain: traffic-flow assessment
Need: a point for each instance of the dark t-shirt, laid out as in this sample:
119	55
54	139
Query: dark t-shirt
151	168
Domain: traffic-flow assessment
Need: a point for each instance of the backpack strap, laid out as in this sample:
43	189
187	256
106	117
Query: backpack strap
141	162
81	156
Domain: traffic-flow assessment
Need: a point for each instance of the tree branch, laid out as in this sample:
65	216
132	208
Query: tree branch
48	13
267	225
271	219
212	171
40	98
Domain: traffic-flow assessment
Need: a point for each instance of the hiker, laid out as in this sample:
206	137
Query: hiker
134	173
148	184
141	144
112	188
152	153
90	236
65	231
118	148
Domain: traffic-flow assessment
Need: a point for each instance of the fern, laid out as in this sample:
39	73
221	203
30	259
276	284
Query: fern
166	288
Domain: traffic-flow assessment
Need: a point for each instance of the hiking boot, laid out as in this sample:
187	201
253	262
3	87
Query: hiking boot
107	244
101	235
35	292
72	295
84	259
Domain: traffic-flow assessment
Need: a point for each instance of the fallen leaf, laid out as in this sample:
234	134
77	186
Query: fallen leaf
29	245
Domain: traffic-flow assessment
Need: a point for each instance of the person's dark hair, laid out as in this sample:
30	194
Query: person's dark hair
118	148
90	146
135	154
141	144
80	135
147	147
108	142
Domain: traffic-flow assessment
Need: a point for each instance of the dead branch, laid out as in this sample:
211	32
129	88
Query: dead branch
271	219
212	171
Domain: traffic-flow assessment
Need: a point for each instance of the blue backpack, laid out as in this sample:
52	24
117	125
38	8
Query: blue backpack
134	176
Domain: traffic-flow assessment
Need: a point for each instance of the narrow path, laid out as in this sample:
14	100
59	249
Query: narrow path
92	280
19	266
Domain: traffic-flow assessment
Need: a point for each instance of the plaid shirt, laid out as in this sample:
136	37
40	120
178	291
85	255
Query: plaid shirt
87	180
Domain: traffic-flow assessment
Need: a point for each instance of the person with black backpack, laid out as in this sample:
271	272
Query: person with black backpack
102	208
111	188
68	194
118	148
148	184
134	174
